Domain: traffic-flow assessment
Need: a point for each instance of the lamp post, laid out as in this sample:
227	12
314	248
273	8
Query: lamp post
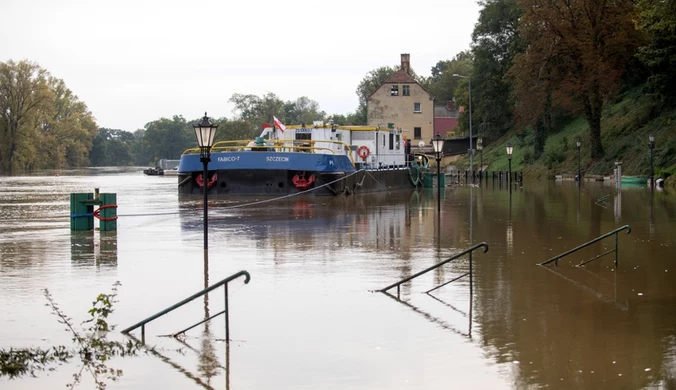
205	132
651	143
470	118
510	149
480	148
438	145
579	162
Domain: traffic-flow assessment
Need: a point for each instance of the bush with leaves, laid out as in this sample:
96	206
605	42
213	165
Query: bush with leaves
90	344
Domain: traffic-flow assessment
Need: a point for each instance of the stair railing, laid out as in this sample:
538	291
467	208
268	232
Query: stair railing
556	259
223	282
467	251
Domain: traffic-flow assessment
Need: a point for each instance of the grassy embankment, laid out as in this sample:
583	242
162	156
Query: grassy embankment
626	124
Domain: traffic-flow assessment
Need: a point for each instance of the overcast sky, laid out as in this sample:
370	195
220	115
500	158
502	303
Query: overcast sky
136	61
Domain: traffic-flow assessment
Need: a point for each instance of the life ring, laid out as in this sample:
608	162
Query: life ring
363	152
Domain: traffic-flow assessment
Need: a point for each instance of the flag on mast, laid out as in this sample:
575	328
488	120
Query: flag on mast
279	124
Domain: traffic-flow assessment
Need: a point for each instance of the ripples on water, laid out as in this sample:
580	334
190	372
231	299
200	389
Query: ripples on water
308	320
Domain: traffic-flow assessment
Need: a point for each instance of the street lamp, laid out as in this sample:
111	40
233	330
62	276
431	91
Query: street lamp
205	132
480	148
470	118
651	138
438	145
510	149
579	163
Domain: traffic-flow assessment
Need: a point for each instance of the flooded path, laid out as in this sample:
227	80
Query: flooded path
308	318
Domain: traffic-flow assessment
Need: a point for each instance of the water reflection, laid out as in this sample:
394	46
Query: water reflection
565	327
89	247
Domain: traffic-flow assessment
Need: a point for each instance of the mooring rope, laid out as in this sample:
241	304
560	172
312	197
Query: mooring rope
292	195
328	185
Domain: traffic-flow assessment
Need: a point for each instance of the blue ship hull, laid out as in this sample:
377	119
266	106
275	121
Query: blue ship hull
270	173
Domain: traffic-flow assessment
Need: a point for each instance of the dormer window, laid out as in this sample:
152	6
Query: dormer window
394	91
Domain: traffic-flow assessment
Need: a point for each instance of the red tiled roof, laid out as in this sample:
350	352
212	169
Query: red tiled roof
400	77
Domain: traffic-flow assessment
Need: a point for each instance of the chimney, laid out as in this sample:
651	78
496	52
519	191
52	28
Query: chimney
450	105
406	63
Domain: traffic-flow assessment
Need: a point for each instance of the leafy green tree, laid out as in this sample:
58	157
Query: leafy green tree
303	110
112	147
236	129
43	124
167	138
495	43
24	91
66	129
657	18
590	43
258	110
442	85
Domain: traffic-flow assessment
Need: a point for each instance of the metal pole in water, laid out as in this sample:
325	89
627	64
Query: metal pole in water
205	188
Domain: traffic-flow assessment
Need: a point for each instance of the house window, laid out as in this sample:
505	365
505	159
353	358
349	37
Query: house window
406	90
417	133
416	108
394	91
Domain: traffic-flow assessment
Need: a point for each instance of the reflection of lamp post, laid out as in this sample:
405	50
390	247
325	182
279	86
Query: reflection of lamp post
651	138
469	79
438	145
510	149
480	148
205	131
579	161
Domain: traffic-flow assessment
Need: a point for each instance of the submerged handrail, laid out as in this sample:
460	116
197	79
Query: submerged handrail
466	251
198	294
555	259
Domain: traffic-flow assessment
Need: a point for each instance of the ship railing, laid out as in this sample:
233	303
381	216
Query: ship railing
465	252
198	294
280	145
556	259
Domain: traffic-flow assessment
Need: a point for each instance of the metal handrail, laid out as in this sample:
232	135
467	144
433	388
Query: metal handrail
555	259
277	144
223	282
467	251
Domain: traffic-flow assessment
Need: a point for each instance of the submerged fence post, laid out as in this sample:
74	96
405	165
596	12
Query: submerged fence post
616	255
227	328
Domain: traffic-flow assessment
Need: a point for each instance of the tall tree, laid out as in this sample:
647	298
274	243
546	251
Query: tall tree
442	84
23	92
657	18
258	110
533	88
303	110
495	43
167	138
591	42
66	129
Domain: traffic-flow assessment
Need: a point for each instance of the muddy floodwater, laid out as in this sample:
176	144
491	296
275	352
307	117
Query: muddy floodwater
310	319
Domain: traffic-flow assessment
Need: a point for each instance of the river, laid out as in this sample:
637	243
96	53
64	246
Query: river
309	318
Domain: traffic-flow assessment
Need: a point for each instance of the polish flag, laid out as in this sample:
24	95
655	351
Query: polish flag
279	124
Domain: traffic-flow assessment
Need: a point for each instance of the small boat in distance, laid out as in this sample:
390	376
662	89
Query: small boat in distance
154	171
322	159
